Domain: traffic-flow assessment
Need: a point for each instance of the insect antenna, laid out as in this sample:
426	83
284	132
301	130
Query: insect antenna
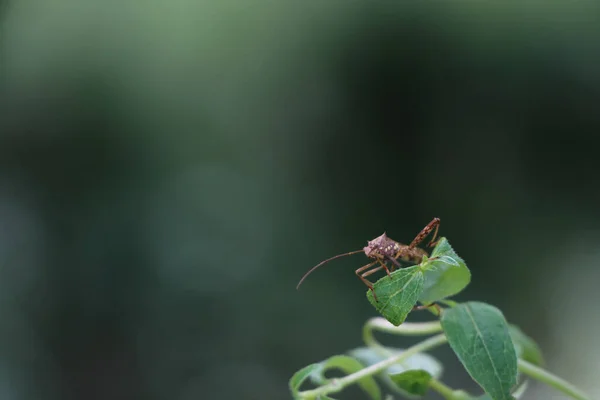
325	262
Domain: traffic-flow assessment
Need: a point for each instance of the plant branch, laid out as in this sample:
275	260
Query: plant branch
336	385
551	380
426	328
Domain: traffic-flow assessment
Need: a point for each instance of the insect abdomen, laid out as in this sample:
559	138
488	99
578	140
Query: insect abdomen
414	256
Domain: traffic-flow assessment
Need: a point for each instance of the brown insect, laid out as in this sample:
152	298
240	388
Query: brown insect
383	249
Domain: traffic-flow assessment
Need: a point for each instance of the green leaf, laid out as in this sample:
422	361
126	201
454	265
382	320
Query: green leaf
420	361
478	334
299	377
348	365
415	382
446	274
526	348
396	296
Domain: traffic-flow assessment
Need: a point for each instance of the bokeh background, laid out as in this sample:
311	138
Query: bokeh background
170	169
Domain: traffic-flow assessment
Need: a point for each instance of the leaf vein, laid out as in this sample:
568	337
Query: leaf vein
468	309
391	297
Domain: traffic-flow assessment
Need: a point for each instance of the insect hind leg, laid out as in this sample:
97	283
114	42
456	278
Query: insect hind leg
434	224
433	240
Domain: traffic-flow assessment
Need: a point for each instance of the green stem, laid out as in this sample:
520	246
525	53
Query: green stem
406	329
336	385
442	389
551	380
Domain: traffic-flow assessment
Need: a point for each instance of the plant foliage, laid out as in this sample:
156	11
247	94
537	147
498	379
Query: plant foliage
492	351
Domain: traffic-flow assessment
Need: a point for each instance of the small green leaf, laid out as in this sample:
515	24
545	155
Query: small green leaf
415	382
299	377
526	348
348	365
446	274
396	296
478	334
419	361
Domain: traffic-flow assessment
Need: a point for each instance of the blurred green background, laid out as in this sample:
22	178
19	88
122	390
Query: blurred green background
170	169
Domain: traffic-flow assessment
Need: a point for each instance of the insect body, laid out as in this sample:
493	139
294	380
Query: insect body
383	249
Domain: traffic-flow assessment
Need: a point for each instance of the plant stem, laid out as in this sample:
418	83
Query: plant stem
337	385
551	380
442	389
406	329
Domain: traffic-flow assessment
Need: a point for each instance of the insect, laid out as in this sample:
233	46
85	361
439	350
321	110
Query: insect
383	249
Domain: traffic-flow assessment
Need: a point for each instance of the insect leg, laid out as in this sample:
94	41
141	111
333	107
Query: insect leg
433	240
426	231
363	268
394	261
385	267
362	276
371	272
